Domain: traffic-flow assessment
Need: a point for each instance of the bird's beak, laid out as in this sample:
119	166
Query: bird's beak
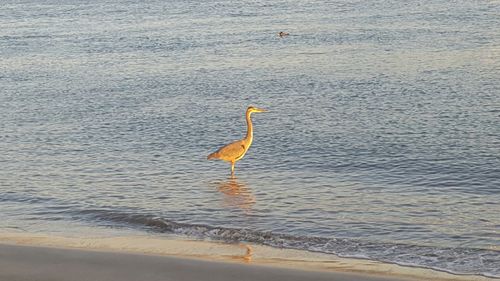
260	110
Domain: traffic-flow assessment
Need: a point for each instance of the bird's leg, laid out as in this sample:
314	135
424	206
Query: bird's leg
232	169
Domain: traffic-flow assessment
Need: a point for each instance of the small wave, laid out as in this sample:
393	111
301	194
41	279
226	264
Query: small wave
453	260
312	53
23	198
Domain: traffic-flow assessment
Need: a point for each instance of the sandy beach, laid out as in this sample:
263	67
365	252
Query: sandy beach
26	256
37	263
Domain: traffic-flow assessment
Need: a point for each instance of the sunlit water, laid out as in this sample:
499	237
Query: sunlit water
382	140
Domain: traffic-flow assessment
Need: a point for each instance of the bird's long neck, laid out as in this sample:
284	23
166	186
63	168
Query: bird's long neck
249	136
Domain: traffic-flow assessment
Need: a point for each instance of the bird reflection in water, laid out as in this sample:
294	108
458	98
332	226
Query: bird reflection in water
247	257
236	194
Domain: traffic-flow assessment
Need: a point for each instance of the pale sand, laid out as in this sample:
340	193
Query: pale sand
154	258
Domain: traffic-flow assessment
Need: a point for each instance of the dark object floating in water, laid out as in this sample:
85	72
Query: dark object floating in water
283	34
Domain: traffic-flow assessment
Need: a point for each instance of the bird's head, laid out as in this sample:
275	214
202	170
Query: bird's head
252	109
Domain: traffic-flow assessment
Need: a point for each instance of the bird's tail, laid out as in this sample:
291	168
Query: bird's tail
212	156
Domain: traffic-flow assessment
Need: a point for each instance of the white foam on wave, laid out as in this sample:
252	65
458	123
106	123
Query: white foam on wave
467	261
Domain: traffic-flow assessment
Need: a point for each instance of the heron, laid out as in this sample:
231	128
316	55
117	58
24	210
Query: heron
237	149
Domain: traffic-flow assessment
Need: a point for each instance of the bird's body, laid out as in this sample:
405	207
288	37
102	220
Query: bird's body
232	152
237	149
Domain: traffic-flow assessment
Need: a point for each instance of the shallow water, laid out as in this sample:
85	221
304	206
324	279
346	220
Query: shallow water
382	139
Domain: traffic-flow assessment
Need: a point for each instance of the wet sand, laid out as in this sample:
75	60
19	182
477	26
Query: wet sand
19	263
25	256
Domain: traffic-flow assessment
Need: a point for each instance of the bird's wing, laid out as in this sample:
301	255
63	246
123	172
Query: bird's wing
232	151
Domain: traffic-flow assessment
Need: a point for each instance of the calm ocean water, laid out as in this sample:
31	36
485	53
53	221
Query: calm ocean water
382	140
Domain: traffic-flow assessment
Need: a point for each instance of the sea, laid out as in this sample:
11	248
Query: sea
382	139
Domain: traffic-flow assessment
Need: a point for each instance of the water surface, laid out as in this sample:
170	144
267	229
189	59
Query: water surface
382	139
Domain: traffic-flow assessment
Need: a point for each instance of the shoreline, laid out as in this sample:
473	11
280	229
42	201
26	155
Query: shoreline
226	253
23	263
